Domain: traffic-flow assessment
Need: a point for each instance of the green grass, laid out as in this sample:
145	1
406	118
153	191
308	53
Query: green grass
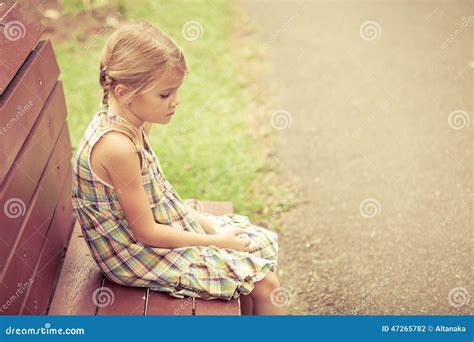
205	151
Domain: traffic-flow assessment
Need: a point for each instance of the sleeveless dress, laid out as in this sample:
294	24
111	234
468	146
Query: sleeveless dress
194	271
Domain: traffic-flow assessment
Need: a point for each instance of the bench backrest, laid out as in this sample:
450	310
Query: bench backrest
35	165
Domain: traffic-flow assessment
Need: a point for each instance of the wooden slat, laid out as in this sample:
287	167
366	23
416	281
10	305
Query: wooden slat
31	162
80	277
24	252
160	303
40	140
14	222
21	104
19	33
54	247
219	307
5	6
121	300
217	207
76	286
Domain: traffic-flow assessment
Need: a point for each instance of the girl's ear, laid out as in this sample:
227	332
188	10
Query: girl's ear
120	92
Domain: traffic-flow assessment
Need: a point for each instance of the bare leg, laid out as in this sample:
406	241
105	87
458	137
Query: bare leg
261	296
246	305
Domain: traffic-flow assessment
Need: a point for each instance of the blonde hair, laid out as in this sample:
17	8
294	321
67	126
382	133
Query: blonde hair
136	55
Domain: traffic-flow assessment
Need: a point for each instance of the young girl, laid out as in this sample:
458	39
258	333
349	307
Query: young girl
137	227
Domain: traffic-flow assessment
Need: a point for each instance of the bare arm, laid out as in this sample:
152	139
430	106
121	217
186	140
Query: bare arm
122	164
123	167
206	224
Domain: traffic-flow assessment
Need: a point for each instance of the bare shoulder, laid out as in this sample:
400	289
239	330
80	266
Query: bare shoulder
116	144
114	156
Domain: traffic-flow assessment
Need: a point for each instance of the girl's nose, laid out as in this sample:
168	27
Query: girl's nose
175	102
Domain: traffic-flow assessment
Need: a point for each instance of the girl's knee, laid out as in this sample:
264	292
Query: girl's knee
264	287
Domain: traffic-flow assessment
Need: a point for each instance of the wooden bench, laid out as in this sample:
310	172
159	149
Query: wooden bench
83	290
45	264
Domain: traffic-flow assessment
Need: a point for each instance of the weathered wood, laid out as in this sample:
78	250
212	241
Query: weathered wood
219	307
5	6
21	104
19	32
116	299
80	277
160	303
22	255
52	252
217	208
29	223
35	168
31	162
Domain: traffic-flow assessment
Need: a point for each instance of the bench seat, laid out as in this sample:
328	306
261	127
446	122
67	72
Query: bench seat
83	290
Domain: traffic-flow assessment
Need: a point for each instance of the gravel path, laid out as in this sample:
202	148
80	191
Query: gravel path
373	102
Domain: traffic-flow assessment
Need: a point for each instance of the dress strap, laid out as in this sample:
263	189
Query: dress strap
106	119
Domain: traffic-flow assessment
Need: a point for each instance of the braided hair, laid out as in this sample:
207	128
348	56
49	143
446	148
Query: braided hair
106	82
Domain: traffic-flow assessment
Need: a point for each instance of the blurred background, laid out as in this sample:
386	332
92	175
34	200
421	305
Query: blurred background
345	126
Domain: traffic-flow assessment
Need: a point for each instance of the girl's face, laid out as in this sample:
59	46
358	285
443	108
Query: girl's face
158	105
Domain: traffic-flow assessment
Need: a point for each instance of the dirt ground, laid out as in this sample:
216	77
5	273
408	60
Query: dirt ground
82	26
372	113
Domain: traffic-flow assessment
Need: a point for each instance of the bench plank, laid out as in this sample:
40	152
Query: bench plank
48	266
80	277
24	252
34	218
17	38
31	162
217	208
5	6
121	300
160	303
23	101
219	307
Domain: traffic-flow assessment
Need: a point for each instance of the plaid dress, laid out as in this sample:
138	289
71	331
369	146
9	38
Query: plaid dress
194	271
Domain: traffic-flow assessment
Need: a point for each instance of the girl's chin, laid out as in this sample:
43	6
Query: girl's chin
165	120
162	120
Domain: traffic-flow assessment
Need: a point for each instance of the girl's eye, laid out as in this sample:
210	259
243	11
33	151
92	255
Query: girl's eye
164	96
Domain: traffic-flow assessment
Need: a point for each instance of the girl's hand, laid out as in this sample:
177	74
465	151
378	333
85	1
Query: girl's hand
230	239
209	226
213	229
